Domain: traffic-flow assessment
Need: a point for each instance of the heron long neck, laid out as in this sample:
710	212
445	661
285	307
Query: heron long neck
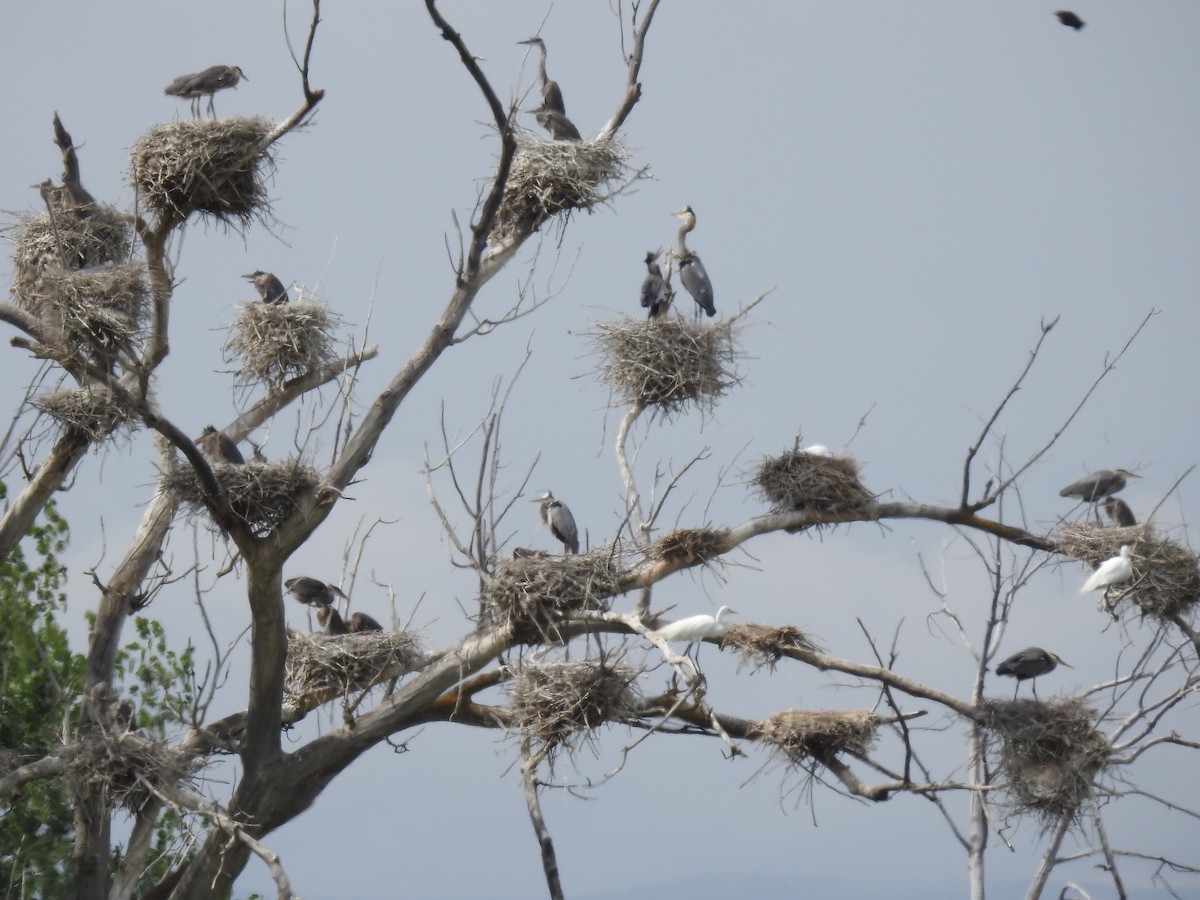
542	67
688	225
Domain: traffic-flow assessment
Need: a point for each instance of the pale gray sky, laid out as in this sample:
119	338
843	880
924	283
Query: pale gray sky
919	185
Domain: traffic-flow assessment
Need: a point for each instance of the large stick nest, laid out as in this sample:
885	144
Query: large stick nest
124	767
550	177
1166	580
532	595
261	494
806	481
322	667
667	363
1050	752
689	546
561	703
800	737
216	167
276	342
95	411
762	645
74	239
103	308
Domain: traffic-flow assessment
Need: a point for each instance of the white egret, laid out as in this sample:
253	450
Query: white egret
818	450
694	628
1030	663
1110	572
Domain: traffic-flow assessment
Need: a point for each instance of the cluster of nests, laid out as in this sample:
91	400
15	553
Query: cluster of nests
275	342
1166	580
1049	753
551	177
801	738
261	493
814	481
667	364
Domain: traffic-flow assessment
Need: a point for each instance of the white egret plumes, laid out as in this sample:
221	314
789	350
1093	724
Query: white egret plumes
818	450
1110	572
694	628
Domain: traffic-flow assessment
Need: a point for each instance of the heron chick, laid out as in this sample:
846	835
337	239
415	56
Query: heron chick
655	296
219	447
269	287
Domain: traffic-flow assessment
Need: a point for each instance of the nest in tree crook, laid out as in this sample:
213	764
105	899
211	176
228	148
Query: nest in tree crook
261	494
123	767
762	645
1049	752
806	481
215	167
800	737
103	308
322	667
1166	580
277	342
689	546
95	411
667	364
550	177
75	239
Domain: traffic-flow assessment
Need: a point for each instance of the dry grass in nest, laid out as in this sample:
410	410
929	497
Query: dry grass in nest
1050	752
121	765
550	177
321	667
531	595
561	703
762	645
804	481
667	363
80	239
1165	582
103	308
262	494
276	342
799	736
95	411
689	546
215	167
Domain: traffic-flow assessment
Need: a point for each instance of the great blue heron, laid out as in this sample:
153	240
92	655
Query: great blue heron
205	84
360	622
1112	571
219	447
1120	513
1095	487
558	518
1069	19
691	270
1030	663
556	124
313	592
655	296
552	97
269	287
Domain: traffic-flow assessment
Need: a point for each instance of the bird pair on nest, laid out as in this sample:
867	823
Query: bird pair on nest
312	592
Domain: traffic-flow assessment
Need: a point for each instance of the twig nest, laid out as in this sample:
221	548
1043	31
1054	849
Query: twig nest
79	238
667	363
550	177
1049	753
276	342
1166	580
261	494
800	737
689	546
532	595
561	703
94	410
762	645
215	167
103	308
797	480
322	667
121	765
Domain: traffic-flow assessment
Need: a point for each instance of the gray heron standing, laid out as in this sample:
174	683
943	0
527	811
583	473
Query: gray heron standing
552	97
312	592
559	127
1028	664
655	296
558	518
691	270
219	447
205	84
1095	487
269	287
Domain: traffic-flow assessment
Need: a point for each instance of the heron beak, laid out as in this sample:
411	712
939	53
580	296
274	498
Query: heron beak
1063	662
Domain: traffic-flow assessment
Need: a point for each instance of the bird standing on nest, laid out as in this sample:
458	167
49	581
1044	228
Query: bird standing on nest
552	98
219	447
1095	487
358	623
556	124
205	84
558	518
312	592
1116	570
269	287
1029	664
1120	513
691	270
655	296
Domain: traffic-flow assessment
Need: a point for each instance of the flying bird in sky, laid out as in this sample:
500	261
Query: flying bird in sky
1069	19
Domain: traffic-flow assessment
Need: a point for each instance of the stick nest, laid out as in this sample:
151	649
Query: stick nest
558	704
1165	582
762	645
276	342
103	309
261	494
799	737
1050	752
322	667
689	546
532	595
667	363
216	167
550	177
805	481
95	411
124	767
80	238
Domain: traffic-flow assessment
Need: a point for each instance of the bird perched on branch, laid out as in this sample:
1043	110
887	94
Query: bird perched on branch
552	97
1116	570
655	296
1120	513
1028	664
219	447
694	629
312	592
269	287
1069	19
558	518
205	84
691	270
559	127
1095	487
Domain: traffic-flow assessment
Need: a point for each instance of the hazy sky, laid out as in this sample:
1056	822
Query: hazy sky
918	185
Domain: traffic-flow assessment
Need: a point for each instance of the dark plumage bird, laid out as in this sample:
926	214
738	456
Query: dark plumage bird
691	270
269	287
552	97
1069	19
1120	513
312	592
1029	663
559	127
558	518
358	623
205	84
219	447
1095	487
655	296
